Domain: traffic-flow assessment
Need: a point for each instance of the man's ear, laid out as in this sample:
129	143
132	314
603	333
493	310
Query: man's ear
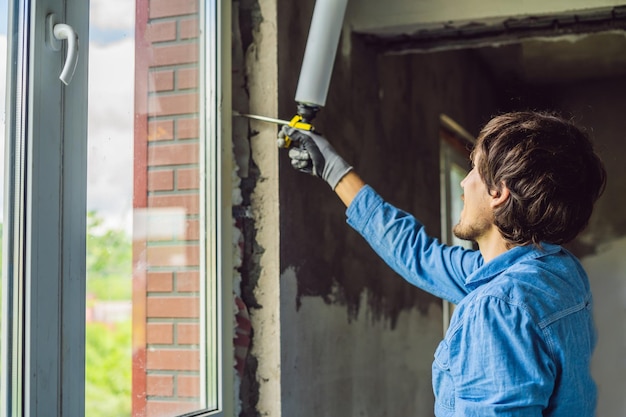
499	198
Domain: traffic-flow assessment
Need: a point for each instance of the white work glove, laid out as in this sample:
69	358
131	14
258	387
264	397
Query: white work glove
313	154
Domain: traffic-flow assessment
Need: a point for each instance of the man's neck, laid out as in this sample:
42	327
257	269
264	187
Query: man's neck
492	244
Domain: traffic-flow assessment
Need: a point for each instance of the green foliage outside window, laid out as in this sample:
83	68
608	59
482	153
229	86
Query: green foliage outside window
108	348
109	261
108	351
109	371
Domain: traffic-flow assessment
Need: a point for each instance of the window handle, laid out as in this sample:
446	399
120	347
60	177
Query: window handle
57	32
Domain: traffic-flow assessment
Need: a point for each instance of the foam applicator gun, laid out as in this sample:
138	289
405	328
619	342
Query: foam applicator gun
297	122
317	65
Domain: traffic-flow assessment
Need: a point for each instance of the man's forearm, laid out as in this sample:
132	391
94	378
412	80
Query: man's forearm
348	187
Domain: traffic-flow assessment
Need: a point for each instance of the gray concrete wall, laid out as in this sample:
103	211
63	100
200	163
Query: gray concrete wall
255	90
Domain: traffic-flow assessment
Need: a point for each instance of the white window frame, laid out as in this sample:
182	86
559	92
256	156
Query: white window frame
44	241
218	265
43	325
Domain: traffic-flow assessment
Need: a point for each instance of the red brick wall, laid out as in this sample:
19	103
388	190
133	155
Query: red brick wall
166	303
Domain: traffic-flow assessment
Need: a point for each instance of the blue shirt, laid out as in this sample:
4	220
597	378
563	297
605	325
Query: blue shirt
521	337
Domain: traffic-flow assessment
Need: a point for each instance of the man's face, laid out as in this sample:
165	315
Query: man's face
477	215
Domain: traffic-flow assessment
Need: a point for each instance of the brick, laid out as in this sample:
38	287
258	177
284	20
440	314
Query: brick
159	282
161	180
188	386
177	54
168	408
188	281
161	81
192	231
187	179
188	202
139	272
173	307
187	78
189	28
173	360
161	130
167	8
177	154
188	333
180	255
161	32
172	105
160	333
187	128
160	385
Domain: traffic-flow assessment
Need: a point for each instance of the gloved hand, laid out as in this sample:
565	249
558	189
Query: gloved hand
314	155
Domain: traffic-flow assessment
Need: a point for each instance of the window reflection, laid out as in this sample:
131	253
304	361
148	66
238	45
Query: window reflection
144	317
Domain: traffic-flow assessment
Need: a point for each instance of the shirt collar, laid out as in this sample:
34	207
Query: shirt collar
504	261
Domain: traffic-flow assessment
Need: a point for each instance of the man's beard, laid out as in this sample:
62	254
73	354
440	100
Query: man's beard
471	232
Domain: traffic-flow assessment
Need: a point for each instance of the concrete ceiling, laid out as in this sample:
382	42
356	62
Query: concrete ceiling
409	16
560	59
536	47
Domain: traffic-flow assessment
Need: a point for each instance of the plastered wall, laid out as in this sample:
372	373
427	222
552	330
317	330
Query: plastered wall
255	90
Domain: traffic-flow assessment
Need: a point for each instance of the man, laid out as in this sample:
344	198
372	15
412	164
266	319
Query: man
521	338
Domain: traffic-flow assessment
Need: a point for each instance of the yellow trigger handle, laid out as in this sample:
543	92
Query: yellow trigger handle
297	123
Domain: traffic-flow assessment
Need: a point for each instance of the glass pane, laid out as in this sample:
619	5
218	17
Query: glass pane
457	173
145	303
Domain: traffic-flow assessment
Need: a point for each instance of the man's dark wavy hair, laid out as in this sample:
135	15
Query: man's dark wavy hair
553	174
